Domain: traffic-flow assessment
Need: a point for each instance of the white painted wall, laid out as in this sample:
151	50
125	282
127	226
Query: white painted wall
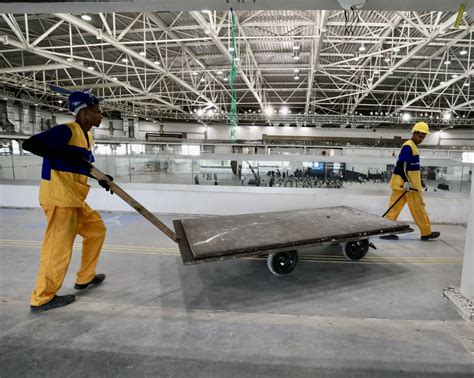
443	207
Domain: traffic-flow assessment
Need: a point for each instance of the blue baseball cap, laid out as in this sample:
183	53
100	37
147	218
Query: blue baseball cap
78	100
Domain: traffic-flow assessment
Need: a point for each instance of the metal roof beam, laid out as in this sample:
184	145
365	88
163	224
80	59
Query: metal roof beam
434	89
405	59
109	6
319	31
204	25
112	41
38	67
34	50
461	106
428	60
158	21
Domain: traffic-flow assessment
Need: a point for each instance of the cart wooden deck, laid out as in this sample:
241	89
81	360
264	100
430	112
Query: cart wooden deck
222	237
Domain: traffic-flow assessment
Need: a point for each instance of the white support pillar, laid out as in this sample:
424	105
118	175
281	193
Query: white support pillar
463	299
37	121
135	128
125	126
467	278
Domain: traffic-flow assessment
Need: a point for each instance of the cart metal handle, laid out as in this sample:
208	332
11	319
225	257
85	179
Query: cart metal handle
98	175
399	198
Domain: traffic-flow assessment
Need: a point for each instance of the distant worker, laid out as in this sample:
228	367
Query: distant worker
407	177
67	153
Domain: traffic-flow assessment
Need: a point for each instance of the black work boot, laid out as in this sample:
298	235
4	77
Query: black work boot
57	301
390	237
433	235
95	281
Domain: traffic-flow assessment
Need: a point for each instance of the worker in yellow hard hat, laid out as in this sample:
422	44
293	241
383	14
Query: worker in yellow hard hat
407	186
67	156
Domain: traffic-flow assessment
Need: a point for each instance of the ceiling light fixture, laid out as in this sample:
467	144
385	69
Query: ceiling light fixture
362	47
406	117
142	53
387	60
125	60
447	61
219	72
446	116
86	17
114	78
463	52
296	70
269	110
396	49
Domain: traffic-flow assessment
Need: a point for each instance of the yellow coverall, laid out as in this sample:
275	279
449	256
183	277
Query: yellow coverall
413	198
62	198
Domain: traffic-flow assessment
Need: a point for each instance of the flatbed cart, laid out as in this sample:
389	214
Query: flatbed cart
278	235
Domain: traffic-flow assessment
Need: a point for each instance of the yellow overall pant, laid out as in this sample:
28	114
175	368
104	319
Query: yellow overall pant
64	223
416	206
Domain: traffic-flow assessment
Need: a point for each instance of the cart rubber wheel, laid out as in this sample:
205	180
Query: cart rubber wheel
355	250
282	263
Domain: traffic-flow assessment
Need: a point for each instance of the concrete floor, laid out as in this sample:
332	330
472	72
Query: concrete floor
153	316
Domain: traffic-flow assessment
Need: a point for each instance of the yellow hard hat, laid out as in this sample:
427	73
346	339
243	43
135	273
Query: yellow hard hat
421	127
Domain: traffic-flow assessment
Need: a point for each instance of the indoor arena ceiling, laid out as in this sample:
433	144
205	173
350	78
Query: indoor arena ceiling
296	64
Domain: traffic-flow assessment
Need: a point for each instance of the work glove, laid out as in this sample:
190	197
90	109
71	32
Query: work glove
406	185
423	185
105	185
